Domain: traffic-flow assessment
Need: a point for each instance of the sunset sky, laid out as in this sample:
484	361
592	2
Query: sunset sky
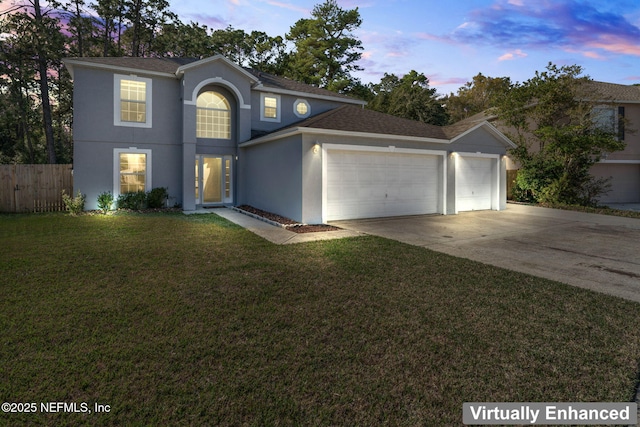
452	41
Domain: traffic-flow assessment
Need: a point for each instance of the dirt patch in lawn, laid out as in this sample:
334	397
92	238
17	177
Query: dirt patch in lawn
287	223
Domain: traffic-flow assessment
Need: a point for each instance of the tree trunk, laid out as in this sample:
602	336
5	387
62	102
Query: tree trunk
80	32
137	24
44	87
24	125
107	39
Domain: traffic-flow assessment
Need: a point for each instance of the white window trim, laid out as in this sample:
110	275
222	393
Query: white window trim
117	78
295	108
116	168
278	103
231	170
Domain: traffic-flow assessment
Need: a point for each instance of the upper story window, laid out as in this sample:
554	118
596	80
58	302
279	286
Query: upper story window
609	119
301	108
270	108
213	116
132	101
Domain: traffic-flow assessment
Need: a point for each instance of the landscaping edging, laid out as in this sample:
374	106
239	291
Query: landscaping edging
282	222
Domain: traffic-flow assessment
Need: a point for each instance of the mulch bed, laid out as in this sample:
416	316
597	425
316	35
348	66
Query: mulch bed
289	224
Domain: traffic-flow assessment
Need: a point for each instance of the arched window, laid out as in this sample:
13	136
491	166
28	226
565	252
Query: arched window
213	116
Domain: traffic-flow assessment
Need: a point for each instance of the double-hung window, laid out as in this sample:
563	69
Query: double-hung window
132	101
609	119
269	108
132	170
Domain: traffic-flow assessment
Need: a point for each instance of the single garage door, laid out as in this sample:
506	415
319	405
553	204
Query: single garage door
625	182
475	183
363	184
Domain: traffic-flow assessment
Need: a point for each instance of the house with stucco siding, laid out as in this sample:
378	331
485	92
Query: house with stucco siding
619	110
216	134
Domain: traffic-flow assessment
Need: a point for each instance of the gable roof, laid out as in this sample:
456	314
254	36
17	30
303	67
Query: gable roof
272	83
174	67
359	121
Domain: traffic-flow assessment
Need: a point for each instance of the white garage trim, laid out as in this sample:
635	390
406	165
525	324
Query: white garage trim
379	150
494	180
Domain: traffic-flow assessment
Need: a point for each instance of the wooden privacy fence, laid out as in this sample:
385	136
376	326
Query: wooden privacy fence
34	188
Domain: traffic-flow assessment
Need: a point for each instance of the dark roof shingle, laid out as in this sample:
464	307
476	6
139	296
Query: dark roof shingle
351	118
273	81
611	92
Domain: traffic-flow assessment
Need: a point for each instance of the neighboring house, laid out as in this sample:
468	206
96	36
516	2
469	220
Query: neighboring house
214	134
617	110
623	167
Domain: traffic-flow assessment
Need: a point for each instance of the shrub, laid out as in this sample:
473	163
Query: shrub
74	205
157	198
135	200
154	199
105	201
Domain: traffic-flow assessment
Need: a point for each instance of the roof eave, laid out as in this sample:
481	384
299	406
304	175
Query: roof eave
71	63
262	88
332	132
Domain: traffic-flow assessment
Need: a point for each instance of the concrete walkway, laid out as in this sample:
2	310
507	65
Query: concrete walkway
597	252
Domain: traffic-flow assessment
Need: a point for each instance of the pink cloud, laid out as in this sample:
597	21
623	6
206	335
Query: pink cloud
616	44
433	37
570	25
437	80
513	55
289	6
593	55
352	4
214	22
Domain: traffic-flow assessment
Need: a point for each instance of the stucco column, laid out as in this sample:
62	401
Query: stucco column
502	171
188	157
188	176
450	202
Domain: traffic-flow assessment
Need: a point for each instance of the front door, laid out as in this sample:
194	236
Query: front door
213	180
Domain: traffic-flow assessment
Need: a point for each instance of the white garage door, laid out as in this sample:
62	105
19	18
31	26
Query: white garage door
362	184
475	183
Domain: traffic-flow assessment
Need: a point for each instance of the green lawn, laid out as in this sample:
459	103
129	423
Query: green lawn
191	320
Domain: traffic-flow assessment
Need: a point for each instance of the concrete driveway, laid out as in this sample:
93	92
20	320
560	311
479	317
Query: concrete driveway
597	252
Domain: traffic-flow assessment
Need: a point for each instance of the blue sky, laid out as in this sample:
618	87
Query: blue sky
452	41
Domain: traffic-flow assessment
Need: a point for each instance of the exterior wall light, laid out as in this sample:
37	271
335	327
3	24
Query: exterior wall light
316	148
